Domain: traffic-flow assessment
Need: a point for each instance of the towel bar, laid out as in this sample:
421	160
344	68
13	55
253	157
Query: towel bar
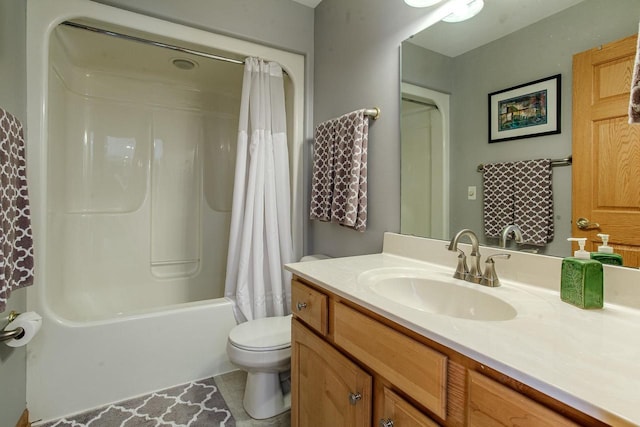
567	161
374	112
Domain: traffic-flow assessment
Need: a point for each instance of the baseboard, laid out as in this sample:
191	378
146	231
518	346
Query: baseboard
24	419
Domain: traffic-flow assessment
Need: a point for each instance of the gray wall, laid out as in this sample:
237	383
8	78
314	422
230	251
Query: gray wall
356	57
13	98
426	68
541	50
280	23
356	66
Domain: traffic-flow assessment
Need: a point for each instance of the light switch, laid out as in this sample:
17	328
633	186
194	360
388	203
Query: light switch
471	192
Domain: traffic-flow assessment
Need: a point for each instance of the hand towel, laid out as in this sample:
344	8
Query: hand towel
323	175
349	206
533	200
339	177
498	197
16	242
634	96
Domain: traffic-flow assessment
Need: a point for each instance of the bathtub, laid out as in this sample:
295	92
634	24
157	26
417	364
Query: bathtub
130	171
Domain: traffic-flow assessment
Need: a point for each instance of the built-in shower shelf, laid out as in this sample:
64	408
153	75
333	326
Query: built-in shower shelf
173	269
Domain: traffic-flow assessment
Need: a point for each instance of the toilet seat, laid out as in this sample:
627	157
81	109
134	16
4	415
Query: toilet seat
269	333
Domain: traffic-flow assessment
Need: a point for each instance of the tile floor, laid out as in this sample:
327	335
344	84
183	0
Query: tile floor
231	385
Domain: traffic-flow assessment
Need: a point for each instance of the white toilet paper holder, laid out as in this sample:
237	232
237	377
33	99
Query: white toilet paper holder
14	333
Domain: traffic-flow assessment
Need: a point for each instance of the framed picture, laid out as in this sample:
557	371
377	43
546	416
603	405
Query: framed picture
525	111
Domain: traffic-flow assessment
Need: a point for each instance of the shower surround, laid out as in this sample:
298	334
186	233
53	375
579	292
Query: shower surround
130	161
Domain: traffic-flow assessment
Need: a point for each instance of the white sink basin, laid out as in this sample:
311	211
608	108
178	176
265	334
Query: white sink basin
437	294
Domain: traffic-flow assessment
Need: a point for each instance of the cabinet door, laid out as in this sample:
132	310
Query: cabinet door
492	404
397	412
327	389
417	370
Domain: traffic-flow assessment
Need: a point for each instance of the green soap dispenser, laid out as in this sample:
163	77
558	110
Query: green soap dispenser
581	281
605	252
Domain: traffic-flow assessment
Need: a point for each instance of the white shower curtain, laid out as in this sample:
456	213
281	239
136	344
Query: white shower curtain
260	235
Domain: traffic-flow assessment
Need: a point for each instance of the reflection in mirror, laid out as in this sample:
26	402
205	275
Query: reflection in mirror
424	157
496	50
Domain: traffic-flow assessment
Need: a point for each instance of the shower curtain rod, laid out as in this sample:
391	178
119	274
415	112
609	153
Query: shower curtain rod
151	42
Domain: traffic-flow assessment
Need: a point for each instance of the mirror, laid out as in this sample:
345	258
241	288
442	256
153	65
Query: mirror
510	43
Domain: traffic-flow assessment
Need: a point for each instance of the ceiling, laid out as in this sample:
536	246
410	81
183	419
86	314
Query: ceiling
496	20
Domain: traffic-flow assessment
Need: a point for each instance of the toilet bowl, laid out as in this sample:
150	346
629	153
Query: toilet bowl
262	348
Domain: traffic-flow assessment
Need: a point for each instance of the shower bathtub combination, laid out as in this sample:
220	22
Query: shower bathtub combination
131	155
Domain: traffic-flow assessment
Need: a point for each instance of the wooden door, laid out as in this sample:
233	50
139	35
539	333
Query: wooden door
606	149
327	389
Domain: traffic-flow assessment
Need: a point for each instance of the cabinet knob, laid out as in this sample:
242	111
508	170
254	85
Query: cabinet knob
301	305
354	397
386	423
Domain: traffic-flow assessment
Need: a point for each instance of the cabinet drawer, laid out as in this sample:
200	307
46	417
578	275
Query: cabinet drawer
490	403
310	306
398	412
414	368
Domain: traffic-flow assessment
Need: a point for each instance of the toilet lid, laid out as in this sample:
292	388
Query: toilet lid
270	333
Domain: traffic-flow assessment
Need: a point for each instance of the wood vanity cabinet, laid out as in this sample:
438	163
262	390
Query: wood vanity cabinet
490	404
329	389
352	367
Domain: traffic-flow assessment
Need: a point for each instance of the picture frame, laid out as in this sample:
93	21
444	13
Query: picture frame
525	111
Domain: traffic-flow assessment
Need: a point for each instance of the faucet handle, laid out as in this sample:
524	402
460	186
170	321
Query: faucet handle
490	277
462	269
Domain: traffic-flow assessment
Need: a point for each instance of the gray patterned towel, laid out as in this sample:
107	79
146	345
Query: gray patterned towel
16	243
634	96
519	193
498	197
533	200
349	206
339	180
322	177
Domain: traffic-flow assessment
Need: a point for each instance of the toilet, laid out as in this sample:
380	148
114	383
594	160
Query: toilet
262	348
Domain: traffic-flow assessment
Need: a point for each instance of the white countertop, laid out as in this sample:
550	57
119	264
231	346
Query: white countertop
588	359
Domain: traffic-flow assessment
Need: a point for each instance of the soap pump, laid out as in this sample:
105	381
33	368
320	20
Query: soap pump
605	252
580	253
581	280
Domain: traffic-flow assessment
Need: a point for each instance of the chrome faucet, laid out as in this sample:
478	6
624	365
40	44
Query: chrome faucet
474	274
505	232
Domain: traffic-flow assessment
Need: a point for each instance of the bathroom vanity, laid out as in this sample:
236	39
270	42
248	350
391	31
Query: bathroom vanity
368	349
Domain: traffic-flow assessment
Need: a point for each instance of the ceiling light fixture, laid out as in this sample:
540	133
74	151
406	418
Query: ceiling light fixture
464	11
421	3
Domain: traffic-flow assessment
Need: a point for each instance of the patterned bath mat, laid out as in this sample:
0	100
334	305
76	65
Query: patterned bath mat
196	404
